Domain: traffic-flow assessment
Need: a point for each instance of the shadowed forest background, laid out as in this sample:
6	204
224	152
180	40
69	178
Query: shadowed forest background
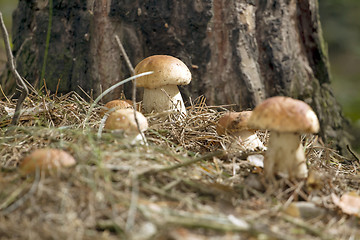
341	23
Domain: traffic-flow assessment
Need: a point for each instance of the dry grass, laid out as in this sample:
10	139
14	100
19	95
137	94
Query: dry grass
181	186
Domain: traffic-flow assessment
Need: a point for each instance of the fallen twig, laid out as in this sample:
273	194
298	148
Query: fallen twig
220	222
19	81
352	153
123	53
307	227
127	60
185	163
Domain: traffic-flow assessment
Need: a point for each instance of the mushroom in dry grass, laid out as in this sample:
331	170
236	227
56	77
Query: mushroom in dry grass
137	105
124	119
160	88
46	159
117	104
236	124
286	118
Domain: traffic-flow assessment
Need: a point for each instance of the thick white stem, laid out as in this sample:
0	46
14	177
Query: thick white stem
285	156
248	140
163	99
138	139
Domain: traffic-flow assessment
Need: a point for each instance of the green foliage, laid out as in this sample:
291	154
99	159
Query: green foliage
7	7
340	21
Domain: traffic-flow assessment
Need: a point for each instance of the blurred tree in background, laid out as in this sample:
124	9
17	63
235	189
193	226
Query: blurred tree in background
6	7
340	21
341	27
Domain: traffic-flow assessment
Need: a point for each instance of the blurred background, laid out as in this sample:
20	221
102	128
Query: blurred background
6	8
340	21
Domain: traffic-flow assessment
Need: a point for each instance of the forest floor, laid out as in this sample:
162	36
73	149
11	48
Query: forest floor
183	185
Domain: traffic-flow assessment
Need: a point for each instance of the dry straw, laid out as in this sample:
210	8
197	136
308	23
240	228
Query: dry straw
183	183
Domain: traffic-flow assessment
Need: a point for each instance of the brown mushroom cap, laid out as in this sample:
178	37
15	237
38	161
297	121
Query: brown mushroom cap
284	114
233	122
130	102
46	159
125	119
167	70
115	104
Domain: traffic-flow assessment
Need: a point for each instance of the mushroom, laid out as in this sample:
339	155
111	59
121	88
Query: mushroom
124	119
46	159
236	125
137	105
118	104
160	88
286	118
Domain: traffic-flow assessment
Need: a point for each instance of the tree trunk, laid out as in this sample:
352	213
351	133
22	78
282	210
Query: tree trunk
238	51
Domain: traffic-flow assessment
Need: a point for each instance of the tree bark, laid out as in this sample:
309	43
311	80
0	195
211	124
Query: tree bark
238	51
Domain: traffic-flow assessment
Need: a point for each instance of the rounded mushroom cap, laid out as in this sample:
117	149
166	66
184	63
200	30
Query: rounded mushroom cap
46	159
284	114
124	119
233	122
167	70
137	105
120	104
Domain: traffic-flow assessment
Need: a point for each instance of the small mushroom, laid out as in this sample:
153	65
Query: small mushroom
46	159
117	104
137	105
124	119
286	118
235	124
160	88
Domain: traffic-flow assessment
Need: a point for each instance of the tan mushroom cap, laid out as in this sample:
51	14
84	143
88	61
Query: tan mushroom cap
120	104
233	122
167	70
137	105
125	119
284	114
46	159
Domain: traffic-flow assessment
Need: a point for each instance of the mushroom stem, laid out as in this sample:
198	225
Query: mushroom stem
285	156
248	139
138	139
163	99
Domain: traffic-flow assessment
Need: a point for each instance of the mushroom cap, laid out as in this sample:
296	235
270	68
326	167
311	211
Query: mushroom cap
284	114
115	104
46	159
124	119
233	122
167	70
130	102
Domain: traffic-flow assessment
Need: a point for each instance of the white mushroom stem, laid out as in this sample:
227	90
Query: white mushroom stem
285	156
248	140
163	99
138	139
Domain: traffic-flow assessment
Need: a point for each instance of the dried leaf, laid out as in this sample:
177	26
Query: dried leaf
349	203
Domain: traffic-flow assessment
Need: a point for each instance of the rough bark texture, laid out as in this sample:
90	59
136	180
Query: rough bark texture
238	51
